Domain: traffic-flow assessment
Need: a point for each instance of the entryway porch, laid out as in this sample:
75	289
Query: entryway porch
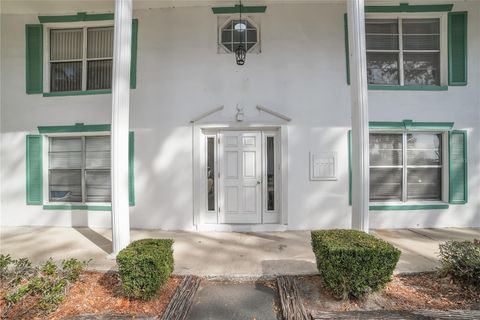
222	255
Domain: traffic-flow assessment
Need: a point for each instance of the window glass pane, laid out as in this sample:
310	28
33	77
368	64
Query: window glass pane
422	68
97	152
226	36
211	174
99	74
65	185
386	184
381	42
424	183
270	173
65	76
385	149
381	26
66	44
238	36
98	185
382	68
424	149
421	42
65	153
421	34
381	34
100	42
252	36
421	26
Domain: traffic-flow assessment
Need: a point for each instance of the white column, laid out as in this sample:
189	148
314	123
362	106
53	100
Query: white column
120	124
359	94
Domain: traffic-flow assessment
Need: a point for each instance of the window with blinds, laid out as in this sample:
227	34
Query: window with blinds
405	166
81	59
79	169
403	52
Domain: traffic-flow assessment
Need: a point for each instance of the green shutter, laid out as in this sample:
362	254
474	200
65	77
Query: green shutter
133	63
131	168
34	58
350	167
34	170
347	47
458	187
457	48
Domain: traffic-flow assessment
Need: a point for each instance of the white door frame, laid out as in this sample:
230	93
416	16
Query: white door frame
209	219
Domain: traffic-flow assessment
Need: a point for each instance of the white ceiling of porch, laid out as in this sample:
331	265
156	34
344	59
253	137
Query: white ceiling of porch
73	6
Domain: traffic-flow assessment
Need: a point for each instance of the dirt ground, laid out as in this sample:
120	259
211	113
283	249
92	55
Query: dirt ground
404	292
100	293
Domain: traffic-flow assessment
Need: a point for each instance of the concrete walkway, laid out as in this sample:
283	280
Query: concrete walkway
221	254
235	301
420	246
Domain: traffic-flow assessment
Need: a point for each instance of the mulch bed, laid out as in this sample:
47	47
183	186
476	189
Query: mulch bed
101	293
404	292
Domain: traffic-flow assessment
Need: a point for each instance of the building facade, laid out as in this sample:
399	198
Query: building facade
218	146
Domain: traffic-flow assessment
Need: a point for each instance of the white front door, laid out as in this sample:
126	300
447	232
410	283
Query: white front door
240	180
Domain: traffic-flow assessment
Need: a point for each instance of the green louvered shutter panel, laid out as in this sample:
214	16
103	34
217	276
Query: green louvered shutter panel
131	168
133	63
347	47
457	48
458	190
34	58
34	170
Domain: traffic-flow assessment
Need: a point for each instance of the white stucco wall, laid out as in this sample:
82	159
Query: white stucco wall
300	72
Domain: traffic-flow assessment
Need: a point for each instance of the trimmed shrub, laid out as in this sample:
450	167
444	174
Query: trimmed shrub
144	266
461	261
353	263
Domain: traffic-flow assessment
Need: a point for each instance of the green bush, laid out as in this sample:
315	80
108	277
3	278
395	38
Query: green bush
461	261
144	266
353	263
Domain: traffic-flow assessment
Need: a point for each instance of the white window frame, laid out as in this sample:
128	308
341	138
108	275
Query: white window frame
443	16
69	25
46	161
229	20
405	166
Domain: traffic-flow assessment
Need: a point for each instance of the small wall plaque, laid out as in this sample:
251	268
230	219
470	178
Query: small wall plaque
323	166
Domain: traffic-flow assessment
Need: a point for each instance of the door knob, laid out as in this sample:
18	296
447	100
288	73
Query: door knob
258	181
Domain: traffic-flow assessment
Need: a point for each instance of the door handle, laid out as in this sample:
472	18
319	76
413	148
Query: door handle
259	181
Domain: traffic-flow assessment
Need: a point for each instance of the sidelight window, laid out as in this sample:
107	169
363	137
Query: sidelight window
211	173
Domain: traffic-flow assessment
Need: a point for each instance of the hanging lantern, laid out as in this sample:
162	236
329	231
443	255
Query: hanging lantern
240	55
240	51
